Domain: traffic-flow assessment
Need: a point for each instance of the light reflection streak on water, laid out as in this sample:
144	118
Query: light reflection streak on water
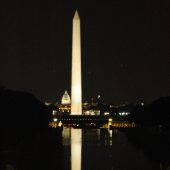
110	137
76	147
98	136
105	149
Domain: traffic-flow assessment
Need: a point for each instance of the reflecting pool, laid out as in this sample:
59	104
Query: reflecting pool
102	149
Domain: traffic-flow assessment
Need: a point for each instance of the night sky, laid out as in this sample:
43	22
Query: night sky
125	48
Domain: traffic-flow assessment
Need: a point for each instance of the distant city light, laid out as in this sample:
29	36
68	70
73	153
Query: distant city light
123	113
106	113
60	124
47	103
87	112
55	119
54	112
110	119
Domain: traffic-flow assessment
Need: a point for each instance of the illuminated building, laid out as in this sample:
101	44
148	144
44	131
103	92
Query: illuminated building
65	99
64	107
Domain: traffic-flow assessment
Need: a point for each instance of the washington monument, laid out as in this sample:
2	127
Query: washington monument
76	88
76	93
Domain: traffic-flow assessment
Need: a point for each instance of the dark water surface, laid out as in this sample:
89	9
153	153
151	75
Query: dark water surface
106	150
90	149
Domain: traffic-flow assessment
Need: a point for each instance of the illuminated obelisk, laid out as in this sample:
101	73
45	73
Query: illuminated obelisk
76	93
76	89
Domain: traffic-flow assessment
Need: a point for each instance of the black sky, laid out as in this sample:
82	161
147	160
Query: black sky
125	48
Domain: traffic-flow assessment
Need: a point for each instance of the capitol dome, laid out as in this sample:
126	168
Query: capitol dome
66	98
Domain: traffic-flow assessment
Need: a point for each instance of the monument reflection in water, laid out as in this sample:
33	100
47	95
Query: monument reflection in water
76	149
102	149
76	94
